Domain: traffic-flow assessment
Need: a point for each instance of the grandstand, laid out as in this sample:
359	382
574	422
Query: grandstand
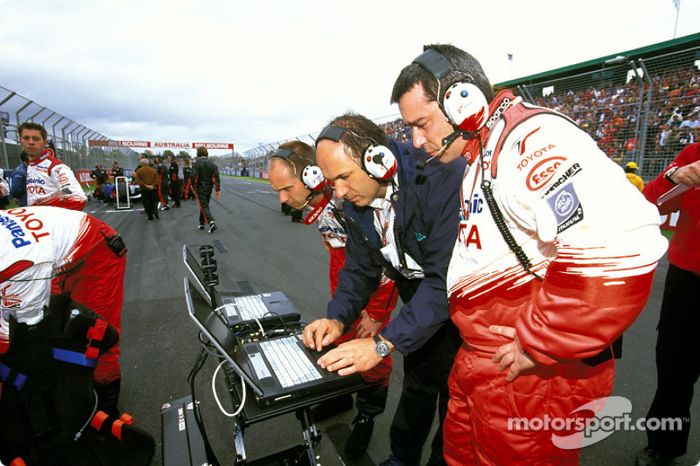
640	105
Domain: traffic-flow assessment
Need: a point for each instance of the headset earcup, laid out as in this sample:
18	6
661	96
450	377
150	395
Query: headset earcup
313	178
466	106
379	162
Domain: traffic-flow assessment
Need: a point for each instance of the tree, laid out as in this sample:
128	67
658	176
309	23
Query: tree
168	153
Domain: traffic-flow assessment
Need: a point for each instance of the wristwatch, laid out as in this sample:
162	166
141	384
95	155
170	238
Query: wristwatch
669	174
381	347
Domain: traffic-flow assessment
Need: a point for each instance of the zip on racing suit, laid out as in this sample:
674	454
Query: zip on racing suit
593	240
52	250
51	182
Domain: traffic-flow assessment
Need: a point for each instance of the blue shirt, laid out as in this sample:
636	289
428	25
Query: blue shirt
426	221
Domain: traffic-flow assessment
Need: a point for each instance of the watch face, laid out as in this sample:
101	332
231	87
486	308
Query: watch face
382	349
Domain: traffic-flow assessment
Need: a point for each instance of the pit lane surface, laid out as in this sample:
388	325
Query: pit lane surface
257	247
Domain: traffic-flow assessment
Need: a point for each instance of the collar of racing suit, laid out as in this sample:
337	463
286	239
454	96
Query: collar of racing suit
44	155
472	147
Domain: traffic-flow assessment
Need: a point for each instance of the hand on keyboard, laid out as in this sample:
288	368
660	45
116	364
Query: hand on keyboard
356	355
321	333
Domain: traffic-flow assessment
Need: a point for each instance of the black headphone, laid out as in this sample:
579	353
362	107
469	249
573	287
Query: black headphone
377	160
311	175
464	104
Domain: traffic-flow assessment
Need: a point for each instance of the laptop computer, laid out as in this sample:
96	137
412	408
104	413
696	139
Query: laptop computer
238	310
277	368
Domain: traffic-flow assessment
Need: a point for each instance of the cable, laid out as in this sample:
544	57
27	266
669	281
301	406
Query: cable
274	314
199	363
216	397
262	330
94	410
500	222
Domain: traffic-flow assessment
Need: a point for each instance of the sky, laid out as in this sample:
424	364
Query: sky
249	72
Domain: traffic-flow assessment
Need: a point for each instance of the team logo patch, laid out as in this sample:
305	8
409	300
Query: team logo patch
10	300
566	207
542	172
571	171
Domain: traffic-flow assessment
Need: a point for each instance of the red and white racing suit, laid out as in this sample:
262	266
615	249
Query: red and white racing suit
51	182
49	250
594	240
383	300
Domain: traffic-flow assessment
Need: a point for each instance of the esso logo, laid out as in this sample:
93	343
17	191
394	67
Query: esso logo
543	172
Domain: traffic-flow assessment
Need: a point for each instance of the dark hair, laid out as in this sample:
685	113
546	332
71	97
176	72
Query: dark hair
302	156
463	66
34	126
361	132
202	152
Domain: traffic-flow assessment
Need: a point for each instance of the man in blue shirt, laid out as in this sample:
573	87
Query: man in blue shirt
402	220
18	182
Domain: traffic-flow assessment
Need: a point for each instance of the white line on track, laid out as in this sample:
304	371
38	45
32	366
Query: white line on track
112	211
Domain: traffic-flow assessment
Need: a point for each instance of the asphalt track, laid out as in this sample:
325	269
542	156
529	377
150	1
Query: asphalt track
257	247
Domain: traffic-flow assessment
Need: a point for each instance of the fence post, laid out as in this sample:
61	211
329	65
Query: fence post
638	125
647	110
2	140
53	130
20	111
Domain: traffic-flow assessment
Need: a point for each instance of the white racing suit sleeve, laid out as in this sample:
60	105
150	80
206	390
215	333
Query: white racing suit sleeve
25	294
600	233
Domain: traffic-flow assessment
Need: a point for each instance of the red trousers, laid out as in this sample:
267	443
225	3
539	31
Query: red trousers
476	429
380	305
98	284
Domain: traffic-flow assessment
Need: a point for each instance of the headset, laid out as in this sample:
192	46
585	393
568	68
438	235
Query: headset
464	105
467	109
311	175
377	160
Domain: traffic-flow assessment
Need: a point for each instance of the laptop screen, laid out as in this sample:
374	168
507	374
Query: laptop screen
216	331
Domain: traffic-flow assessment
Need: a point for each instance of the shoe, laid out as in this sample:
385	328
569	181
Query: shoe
331	408
392	461
200	227
651	457
359	437
212	227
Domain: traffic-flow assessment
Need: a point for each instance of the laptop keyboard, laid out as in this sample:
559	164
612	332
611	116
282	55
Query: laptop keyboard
289	363
250	307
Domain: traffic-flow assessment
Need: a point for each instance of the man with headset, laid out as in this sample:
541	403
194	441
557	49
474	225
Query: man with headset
401	220
547	271
294	175
50	250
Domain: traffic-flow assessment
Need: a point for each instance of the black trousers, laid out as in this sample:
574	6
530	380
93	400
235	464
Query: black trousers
175	188
677	360
150	201
424	388
205	216
371	401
